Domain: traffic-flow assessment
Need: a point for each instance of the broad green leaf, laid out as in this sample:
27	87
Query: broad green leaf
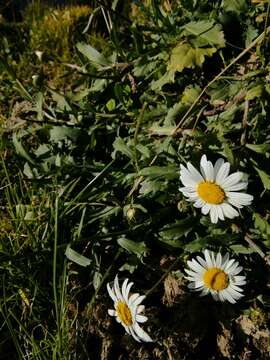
240	249
260	148
59	133
20	149
93	55
61	101
206	32
251	34
168	172
167	78
264	177
262	225
74	256
138	248
172	233
185	56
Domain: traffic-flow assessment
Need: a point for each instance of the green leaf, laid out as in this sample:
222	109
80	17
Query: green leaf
120	146
262	225
172	233
168	172
74	256
59	133
190	94
167	78
206	32
237	6
255	92
264	177
156	129
138	248
20	149
93	55
110	105
260	148
185	56
240	249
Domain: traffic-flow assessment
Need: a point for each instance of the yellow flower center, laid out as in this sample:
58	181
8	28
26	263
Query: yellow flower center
210	192
124	313
216	279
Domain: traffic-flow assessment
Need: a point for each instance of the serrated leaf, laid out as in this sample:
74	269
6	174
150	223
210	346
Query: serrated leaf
138	248
264	177
236	6
206	32
185	56
74	256
262	225
93	55
168	172
119	145
167	78
190	94
20	149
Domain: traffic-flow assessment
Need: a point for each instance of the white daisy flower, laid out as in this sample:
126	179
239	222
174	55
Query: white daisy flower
214	190
128	309
216	275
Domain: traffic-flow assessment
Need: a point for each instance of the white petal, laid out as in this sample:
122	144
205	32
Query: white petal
220	212
134	335
228	296
217	166
238	186
195	266
117	288
140	309
201	261
111	293
199	203
231	180
141	333
207	169
223	173
218	260
240	198
136	301
208	258
229	211
206	208
141	318
111	312
133	297
196	176
126	294
124	286
213	214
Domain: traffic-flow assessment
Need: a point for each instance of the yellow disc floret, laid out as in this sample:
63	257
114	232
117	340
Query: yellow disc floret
124	313
216	279
210	192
